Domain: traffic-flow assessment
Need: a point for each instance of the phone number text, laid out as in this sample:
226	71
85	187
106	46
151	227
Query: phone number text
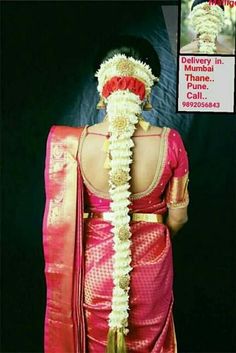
201	104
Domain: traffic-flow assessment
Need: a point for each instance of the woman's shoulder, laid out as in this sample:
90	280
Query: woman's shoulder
98	127
153	129
175	140
63	135
65	129
170	131
157	130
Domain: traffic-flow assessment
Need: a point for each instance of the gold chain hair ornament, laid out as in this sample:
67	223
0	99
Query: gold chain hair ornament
208	21
123	83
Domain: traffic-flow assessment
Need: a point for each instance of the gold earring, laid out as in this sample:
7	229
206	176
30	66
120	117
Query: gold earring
101	103
147	104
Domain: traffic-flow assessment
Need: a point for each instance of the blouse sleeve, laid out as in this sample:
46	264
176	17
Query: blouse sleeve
177	195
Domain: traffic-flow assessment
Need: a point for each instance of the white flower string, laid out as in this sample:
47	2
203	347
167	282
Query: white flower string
123	113
122	120
208	21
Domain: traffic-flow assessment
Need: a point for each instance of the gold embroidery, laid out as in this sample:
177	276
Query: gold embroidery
53	214
61	156
58	197
58	157
177	192
57	151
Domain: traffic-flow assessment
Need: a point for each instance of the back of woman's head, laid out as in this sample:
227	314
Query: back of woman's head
137	47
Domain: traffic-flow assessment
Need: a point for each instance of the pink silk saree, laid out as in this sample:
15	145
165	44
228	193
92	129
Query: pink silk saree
78	253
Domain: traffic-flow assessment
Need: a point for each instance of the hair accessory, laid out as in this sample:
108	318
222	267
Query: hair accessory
124	82
121	65
143	123
208	21
101	104
147	104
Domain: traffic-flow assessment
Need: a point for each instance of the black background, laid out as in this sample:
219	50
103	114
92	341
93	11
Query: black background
47	51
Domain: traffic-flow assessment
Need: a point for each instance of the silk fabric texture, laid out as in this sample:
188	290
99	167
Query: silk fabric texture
78	253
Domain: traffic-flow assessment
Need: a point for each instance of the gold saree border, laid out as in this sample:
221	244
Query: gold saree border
177	195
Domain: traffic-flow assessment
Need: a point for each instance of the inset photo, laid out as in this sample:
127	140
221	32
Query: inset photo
207	27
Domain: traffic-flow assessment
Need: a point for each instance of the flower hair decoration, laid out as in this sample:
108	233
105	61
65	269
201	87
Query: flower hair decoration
127	73
124	83
208	21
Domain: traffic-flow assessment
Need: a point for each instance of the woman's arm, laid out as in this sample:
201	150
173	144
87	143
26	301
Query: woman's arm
177	197
176	219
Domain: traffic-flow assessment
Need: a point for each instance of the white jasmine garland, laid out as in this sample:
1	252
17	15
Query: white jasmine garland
125	112
208	21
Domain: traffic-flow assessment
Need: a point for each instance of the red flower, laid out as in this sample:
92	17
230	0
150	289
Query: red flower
124	82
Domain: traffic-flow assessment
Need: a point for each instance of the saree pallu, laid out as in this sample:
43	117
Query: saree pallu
64	330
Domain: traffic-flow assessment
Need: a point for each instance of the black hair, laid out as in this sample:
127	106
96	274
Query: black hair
198	2
137	47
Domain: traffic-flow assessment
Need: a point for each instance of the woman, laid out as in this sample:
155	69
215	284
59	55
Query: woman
207	21
108	256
